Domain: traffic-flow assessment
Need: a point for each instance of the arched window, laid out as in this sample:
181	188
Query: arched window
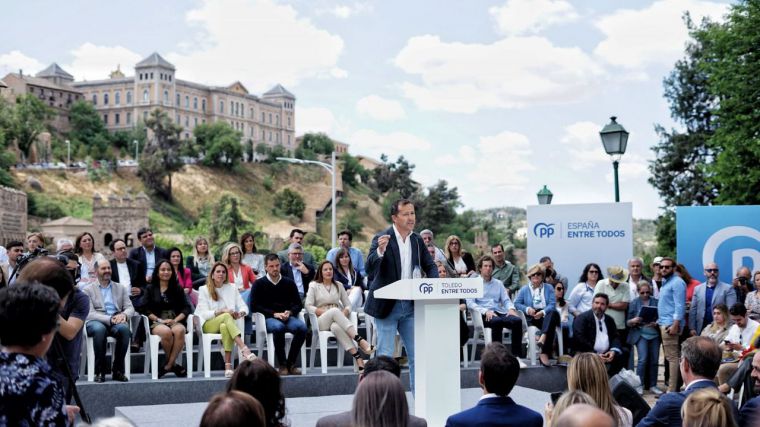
129	97
94	99
187	101
105	99
107	239
177	102
146	97
166	96
221	107
128	240
195	103
203	105
117	98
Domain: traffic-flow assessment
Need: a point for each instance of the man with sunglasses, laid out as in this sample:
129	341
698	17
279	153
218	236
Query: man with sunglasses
706	296
671	308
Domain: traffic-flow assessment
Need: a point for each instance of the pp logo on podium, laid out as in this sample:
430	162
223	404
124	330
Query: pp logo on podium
426	288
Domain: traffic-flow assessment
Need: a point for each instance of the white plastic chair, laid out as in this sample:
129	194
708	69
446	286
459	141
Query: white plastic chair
110	342
323	337
207	340
153	347
262	337
532	332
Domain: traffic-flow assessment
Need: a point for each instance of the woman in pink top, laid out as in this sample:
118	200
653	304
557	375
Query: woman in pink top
184	277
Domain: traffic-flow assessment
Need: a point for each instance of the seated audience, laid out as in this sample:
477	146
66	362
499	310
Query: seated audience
537	301
583	415
127	272
239	274
432	251
200	262
464	330
328	300
586	373
296	236
64	245
349	277
750	412
583	293
742	375
84	246
497	376
461	261
738	340
718	329
547	263
300	272
345	238
184	277
508	273
260	380
707	408
552	412
563	308
250	257
219	306
380	401
148	253
700	359
645	337
378	363
615	286
496	308
277	298
752	301
31	394
110	311
233	409
595	332
167	309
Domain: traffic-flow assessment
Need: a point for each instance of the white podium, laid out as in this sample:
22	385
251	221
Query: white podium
436	340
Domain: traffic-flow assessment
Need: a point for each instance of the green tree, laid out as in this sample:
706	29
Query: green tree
160	158
88	130
26	121
313	144
219	144
396	177
436	207
351	169
227	220
289	202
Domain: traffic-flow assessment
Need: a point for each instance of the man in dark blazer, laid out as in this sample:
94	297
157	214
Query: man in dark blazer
135	277
396	253
148	253
700	359
297	270
497	376
595	332
379	363
750	412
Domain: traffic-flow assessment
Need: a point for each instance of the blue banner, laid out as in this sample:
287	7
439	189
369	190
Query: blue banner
726	235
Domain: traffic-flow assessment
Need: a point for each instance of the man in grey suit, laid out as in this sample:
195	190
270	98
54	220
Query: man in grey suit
379	363
706	296
110	310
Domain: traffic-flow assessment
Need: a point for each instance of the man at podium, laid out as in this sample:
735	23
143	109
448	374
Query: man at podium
396	253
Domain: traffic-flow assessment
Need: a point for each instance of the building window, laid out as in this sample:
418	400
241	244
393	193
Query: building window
203	105
178	97
195	121
187	121
288	121
262	117
252	113
105	118
170	77
270	136
270	117
195	103
105	99
151	76
94	99
221	107
116	119
146	98
203	121
277	119
232	108
288	139
166	97
179	119
262	134
187	101
129	97
129	118
117	98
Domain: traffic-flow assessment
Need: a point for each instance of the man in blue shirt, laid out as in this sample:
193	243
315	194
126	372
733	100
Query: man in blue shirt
671	307
357	258
496	308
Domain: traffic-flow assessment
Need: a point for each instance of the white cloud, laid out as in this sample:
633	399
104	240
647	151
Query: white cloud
345	11
394	144
92	62
15	60
514	72
581	139
259	42
531	16
653	35
380	108
632	168
315	119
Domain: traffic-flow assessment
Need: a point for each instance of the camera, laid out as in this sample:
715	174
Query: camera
742	280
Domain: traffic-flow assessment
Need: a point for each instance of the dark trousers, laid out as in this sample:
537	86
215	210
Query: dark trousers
548	325
497	324
278	328
99	332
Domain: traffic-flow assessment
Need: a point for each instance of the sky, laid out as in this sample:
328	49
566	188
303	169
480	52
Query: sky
498	98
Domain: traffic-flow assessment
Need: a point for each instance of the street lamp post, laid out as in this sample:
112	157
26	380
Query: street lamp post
615	141
330	168
68	153
137	146
544	196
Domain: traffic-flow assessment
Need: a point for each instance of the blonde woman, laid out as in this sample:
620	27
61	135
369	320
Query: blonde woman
568	398
329	301
461	261
707	408
239	274
587	373
200	262
219	306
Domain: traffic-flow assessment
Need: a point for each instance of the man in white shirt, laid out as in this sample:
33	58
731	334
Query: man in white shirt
427	237
594	332
14	249
739	338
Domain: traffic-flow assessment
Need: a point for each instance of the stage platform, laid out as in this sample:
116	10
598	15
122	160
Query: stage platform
100	400
302	411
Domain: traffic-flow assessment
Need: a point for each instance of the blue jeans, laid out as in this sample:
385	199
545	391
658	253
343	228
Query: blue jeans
278	328
649	353
98	331
400	319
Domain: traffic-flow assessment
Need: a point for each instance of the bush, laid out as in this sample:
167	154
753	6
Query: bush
289	202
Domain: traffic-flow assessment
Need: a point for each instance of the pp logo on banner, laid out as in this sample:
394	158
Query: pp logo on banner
737	253
542	230
426	288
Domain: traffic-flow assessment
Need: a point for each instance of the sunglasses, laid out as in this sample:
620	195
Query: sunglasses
645	293
535	274
559	288
711	270
593	271
666	266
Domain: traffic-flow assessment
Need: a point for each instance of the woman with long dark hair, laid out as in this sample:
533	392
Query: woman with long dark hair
184	276
582	295
167	309
260	380
250	257
84	246
352	280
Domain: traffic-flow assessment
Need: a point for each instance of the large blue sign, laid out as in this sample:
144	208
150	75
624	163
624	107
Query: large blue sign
726	235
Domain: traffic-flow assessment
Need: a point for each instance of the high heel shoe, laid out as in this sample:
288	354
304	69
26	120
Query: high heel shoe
251	357
228	372
358	357
358	338
545	365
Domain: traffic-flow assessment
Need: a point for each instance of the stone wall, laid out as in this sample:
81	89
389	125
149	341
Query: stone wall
13	220
118	217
